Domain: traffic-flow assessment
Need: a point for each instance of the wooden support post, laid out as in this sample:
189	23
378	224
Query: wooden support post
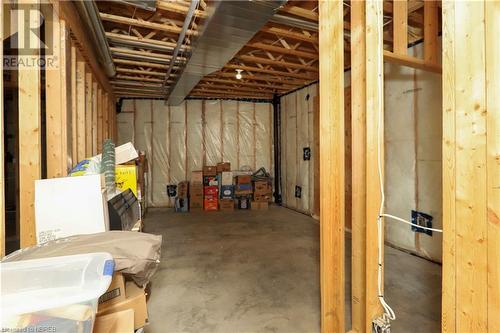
54	109
100	107
331	123
358	125
400	26
374	109
66	99
471	167
105	114
80	109
2	150
29	126
430	31
88	113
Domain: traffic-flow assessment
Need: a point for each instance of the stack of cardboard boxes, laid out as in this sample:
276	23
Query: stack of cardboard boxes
262	194
226	187
121	298
243	191
210	189
196	191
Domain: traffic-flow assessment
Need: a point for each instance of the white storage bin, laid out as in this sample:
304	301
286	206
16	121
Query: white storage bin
57	294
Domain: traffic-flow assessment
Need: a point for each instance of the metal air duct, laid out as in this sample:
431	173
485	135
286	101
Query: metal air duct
228	27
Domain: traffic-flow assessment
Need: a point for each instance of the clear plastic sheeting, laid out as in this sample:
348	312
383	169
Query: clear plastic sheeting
297	133
181	139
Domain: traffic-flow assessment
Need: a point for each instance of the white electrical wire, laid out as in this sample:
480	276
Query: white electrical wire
388	311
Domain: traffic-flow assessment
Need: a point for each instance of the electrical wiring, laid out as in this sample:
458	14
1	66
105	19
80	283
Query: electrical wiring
388	311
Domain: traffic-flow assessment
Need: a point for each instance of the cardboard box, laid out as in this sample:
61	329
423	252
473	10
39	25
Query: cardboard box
196	204
196	177
135	300
224	166
226	205
262	197
116	322
244	179
183	189
69	206
211	191
243	189
196	196
256	205
209	170
115	292
210	204
227	192
126	178
226	178
262	187
125	153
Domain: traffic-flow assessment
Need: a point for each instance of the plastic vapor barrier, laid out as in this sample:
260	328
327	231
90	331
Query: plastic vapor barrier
181	139
297	134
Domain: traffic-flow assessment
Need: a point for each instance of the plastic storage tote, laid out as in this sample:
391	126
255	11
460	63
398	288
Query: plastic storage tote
57	294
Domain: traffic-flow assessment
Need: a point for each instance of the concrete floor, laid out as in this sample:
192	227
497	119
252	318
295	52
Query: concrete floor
252	271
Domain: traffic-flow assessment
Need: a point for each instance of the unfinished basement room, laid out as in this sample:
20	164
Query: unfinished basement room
248	166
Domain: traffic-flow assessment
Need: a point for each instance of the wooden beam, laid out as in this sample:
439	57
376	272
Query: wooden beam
358	148
223	95
282	50
222	92
230	88
136	84
374	110
279	63
74	108
30	157
332	163
261	78
300	12
272	72
141	63
430	31
139	71
248	84
290	34
144	24
146	43
138	78
412	62
176	8
400	27
118	51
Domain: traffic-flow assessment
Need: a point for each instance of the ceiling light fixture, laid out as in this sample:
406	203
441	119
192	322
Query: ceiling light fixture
238	74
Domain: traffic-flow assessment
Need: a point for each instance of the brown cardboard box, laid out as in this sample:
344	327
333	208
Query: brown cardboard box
262	187
209	170
135	300
266	197
183	189
256	205
196	177
224	166
196	196
115	292
226	178
244	179
116	322
226	205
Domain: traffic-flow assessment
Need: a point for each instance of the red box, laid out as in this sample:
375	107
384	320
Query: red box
211	191
210	204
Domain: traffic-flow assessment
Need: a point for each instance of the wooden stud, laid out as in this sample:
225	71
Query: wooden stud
331	53
374	107
430	31
74	108
358	127
105	115
29	128
80	110
448	315
492	11
99	120
400	26
95	106
412	62
66	99
88	114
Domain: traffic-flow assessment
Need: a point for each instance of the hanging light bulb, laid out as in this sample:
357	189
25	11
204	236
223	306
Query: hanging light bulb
238	74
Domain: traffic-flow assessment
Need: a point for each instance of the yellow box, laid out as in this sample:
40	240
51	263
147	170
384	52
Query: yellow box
126	178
